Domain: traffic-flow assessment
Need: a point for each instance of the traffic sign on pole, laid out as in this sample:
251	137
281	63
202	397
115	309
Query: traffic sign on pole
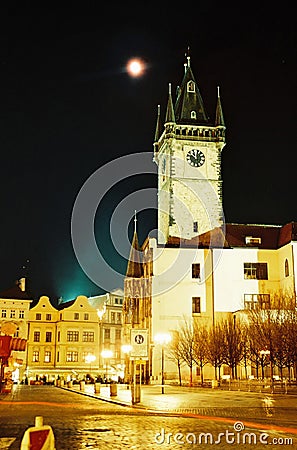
139	343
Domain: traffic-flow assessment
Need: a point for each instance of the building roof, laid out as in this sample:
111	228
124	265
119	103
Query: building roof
234	235
189	100
134	267
15	293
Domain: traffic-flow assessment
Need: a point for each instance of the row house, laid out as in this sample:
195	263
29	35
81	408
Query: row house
70	341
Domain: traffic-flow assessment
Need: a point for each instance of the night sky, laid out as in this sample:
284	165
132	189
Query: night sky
68	107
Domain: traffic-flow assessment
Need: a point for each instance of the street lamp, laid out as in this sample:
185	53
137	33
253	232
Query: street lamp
89	359
106	354
126	349
162	339
100	314
263	353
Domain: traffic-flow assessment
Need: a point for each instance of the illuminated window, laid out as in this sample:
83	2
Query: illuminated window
195	270
47	356
112	317
76	316
196	305
72	336
255	271
119	318
72	356
48	317
35	357
36	336
86	316
191	86
88	336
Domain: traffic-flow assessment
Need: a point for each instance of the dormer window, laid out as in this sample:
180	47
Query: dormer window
193	115
191	86
250	240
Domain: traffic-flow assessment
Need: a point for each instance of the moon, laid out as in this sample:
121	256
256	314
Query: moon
135	67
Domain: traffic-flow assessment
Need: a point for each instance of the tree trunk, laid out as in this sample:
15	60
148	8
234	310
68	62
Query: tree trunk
179	373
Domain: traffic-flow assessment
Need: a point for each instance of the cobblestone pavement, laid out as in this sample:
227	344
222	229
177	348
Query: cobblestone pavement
84	422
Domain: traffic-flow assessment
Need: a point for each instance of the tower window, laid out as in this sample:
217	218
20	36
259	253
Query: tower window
191	86
196	305
286	268
196	270
193	115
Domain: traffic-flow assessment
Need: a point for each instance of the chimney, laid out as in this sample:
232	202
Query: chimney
22	284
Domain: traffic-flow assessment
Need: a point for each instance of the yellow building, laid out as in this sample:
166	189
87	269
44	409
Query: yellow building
69	341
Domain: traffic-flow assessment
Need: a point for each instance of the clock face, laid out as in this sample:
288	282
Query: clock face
195	157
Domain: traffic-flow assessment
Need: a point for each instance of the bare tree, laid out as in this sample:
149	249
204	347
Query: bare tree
216	348
186	345
201	352
233	344
174	353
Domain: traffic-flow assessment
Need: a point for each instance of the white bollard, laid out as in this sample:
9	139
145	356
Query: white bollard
40	437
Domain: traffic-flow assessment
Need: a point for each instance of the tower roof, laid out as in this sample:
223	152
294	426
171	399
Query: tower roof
170	110
219	112
189	107
134	268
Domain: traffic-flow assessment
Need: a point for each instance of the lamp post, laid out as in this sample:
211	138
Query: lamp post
263	353
100	314
162	339
106	354
89	359
126	349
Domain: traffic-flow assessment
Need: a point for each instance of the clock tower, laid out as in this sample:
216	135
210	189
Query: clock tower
188	154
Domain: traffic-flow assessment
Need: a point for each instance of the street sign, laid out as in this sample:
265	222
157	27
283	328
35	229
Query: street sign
139	343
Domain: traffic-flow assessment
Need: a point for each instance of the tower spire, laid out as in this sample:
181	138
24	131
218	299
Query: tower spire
170	110
219	112
135	222
134	267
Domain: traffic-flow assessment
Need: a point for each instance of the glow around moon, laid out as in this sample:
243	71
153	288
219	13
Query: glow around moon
135	67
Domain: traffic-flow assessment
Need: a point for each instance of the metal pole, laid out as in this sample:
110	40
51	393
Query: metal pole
162	369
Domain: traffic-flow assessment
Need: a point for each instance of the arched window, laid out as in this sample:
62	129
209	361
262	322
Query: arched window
191	86
193	115
286	268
